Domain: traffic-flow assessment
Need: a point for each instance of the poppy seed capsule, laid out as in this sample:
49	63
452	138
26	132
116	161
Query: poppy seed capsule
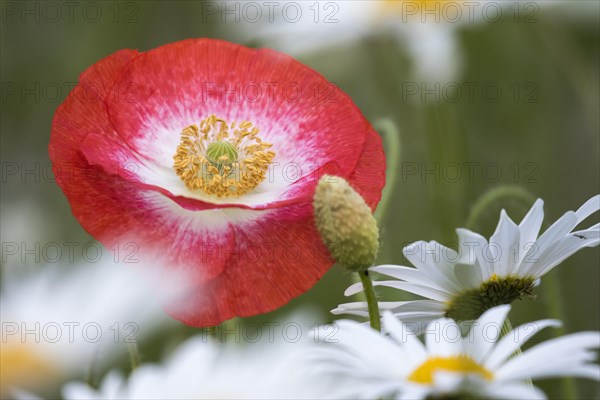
345	223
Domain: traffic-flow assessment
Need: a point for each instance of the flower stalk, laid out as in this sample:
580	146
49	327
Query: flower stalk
134	355
373	306
391	139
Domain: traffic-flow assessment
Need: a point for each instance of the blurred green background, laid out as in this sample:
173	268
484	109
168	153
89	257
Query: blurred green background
542	134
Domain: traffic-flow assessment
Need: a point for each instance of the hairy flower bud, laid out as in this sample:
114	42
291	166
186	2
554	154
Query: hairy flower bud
345	223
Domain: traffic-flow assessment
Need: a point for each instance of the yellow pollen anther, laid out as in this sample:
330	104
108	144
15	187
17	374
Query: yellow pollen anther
221	159
424	374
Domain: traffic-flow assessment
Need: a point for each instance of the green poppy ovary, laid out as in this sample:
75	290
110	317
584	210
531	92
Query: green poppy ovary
221	151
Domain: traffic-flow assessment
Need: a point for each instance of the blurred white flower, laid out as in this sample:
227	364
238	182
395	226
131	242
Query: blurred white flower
482	274
25	225
425	28
371	365
201	369
59	320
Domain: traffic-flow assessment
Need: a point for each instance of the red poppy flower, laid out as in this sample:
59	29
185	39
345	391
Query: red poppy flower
206	154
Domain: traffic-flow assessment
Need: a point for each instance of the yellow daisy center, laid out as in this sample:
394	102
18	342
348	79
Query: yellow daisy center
19	362
460	364
222	159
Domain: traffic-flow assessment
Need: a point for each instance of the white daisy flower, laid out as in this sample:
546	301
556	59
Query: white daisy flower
478	365
482	274
58	321
201	369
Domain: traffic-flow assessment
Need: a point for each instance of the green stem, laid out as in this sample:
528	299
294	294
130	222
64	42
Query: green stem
445	145
212	330
499	193
92	372
134	355
374	317
391	143
553	294
506	329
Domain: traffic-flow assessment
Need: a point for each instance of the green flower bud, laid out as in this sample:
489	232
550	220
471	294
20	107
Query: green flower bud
345	223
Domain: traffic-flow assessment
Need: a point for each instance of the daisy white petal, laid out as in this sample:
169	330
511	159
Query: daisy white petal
566	247
473	245
414	306
420	289
588	208
358	308
486	331
558	230
507	232
396	306
469	274
414	393
430	258
409	274
510	343
447	346
531	224
416	352
515	391
540	360
418	320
